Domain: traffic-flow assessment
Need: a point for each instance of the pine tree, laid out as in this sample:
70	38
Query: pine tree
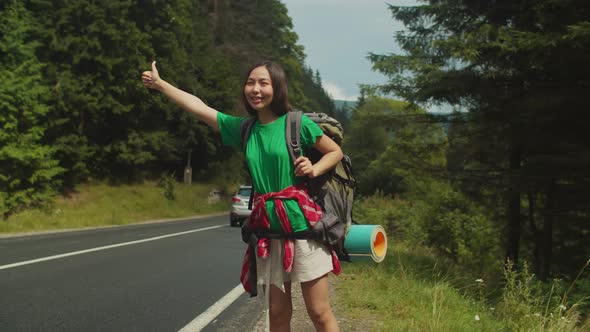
519	71
29	172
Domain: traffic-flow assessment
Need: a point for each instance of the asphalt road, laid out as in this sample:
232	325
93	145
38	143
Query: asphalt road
160	278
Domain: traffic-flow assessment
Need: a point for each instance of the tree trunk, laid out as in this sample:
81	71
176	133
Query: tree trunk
537	235
514	225
547	248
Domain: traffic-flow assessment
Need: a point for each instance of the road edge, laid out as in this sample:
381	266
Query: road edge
146	222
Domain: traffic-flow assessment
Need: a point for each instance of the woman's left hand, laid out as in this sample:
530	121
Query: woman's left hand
304	167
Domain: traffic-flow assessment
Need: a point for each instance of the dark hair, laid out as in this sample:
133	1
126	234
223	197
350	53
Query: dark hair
280	101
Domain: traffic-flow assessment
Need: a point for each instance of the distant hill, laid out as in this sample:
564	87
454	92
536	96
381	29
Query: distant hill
344	110
341	103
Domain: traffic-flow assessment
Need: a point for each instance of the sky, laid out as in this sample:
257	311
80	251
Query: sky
337	36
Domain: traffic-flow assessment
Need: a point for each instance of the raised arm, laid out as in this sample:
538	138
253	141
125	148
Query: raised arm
190	103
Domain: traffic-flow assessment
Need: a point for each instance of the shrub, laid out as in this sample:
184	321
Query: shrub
525	305
460	228
440	217
400	218
168	183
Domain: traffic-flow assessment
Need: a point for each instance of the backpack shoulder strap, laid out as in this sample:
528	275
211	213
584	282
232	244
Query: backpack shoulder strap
293	133
245	131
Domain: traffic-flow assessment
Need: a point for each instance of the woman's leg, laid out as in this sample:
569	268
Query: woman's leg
317	302
280	308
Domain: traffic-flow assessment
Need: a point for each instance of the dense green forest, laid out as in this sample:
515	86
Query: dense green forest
72	107
503	180
505	177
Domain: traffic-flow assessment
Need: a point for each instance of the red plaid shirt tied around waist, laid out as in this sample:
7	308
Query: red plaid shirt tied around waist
259	220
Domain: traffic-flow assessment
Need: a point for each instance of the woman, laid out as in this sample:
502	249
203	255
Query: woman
279	262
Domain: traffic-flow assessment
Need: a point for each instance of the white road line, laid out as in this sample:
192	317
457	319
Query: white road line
213	311
48	258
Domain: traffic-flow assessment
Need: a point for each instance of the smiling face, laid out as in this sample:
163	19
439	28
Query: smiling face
258	89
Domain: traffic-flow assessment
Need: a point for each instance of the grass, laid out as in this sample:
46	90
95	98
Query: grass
523	308
408	291
93	205
414	290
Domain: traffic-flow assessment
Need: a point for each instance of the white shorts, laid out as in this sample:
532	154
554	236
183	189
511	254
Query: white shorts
312	260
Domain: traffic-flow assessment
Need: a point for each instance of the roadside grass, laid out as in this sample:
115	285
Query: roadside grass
100	204
524	308
415	290
409	291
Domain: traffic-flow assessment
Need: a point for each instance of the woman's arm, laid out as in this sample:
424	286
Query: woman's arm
192	104
332	154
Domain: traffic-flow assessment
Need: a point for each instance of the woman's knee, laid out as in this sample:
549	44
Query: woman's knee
281	311
320	314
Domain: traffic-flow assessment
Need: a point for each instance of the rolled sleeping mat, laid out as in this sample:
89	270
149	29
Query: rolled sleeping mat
366	242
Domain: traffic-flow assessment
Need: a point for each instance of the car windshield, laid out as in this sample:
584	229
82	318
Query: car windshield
244	191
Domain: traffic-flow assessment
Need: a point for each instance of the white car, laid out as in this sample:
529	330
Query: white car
239	206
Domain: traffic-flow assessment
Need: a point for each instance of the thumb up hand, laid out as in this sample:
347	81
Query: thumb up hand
150	78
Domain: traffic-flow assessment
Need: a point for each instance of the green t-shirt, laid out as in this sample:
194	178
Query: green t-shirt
269	161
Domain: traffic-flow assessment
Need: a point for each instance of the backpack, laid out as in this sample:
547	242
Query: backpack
333	191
